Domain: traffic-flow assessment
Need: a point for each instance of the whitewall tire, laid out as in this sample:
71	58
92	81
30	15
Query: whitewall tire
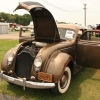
62	85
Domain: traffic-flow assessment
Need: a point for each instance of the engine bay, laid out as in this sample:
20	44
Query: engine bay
25	58
33	46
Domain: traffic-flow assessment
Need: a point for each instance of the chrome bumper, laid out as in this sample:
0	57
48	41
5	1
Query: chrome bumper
25	83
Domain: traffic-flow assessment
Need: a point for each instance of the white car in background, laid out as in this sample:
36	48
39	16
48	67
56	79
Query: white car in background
17	28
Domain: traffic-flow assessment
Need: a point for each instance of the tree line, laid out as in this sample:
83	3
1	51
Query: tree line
18	19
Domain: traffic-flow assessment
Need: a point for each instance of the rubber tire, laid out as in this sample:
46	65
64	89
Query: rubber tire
57	89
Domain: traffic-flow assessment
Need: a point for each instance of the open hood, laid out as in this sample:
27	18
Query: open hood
45	28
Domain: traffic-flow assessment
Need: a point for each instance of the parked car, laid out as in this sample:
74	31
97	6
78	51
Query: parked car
97	34
17	28
52	56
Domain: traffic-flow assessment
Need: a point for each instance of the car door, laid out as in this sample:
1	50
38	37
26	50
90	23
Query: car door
25	36
88	52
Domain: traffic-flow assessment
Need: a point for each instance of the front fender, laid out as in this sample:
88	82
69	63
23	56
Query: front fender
4	65
57	65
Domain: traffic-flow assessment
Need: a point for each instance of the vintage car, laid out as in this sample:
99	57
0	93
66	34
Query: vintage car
50	57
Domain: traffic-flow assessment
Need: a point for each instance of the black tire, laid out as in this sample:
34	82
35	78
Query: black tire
63	84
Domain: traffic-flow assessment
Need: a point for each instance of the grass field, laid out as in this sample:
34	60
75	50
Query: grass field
85	85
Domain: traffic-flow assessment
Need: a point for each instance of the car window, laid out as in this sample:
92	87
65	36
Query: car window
86	36
98	27
66	33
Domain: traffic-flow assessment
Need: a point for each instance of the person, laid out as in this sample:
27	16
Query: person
12	27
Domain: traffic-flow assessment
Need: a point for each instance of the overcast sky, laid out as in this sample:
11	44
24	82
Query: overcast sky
62	10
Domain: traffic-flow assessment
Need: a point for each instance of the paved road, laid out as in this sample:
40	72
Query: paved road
9	36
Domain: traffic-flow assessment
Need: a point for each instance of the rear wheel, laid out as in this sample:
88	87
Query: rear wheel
62	85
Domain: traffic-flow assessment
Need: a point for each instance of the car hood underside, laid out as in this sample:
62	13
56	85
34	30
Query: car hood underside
45	28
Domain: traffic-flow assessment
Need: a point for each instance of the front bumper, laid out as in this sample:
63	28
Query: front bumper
24	83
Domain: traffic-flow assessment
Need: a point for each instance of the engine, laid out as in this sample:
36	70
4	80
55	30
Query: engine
25	59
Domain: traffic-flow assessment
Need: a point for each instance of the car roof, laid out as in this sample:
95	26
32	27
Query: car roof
70	26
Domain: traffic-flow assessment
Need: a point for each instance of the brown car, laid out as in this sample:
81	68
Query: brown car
50	57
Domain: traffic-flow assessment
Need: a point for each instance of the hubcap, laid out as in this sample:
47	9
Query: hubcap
64	80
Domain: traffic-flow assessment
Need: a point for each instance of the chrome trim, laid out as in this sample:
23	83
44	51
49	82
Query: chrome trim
91	43
1	75
73	48
25	83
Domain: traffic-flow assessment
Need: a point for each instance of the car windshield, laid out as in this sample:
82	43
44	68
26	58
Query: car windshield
66	33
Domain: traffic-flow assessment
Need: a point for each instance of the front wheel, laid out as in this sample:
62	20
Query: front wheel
62	85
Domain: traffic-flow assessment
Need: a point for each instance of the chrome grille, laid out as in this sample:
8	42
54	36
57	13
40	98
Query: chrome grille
24	63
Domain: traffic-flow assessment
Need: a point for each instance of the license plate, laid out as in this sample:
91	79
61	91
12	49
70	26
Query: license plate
45	76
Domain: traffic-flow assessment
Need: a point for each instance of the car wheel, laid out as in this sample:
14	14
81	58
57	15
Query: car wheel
62	85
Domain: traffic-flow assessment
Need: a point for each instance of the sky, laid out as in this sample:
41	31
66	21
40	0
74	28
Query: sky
69	11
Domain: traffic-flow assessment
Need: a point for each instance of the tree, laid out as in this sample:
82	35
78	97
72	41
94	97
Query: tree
18	19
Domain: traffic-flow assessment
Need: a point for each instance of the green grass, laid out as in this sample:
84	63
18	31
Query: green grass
5	45
85	85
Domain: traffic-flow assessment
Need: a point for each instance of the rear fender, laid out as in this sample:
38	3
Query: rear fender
57	65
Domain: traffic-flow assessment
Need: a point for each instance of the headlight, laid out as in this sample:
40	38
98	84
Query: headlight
38	62
10	57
